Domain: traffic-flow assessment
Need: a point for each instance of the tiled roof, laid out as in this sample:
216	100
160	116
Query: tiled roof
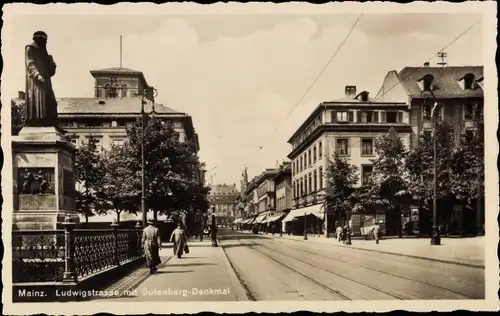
446	80
353	99
117	69
110	106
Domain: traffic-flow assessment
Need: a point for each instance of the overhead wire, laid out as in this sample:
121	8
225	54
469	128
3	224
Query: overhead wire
316	79
433	56
386	91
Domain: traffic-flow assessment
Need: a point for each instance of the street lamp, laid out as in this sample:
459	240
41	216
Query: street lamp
148	93
436	237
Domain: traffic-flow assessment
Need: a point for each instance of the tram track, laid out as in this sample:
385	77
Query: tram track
351	262
269	250
336	292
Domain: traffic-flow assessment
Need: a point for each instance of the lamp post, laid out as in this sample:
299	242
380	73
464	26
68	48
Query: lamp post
148	93
214	231
436	237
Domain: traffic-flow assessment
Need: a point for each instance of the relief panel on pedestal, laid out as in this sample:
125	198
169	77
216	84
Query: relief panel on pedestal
34	189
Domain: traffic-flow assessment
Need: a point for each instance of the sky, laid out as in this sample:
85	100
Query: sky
239	76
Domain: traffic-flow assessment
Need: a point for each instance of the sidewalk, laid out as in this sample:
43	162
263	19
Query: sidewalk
463	251
204	274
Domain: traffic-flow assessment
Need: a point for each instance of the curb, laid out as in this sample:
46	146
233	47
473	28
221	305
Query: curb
239	290
472	265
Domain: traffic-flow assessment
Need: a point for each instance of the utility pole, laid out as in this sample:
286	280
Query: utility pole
442	55
436	237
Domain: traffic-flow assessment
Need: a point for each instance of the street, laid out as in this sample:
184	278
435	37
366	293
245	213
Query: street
274	268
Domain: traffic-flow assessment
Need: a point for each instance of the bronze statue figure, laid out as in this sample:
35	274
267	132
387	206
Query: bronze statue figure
27	187
41	104
44	186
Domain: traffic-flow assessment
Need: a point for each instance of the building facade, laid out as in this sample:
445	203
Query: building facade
458	93
115	105
348	126
222	198
265	195
284	193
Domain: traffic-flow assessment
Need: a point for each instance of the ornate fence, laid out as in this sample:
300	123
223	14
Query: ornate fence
69	254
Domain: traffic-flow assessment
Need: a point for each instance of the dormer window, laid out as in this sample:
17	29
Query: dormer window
426	83
467	82
363	96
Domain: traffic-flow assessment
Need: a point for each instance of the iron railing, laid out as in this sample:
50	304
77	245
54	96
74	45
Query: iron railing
69	254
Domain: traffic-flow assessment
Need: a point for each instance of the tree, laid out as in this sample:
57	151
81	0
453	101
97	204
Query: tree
172	167
420	164
341	180
119	192
17	117
467	165
387	185
90	172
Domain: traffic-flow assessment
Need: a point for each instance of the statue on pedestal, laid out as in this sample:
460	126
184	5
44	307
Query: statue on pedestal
41	104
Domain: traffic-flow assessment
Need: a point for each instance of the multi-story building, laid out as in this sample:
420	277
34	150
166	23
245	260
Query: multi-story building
222	198
458	92
115	105
266	195
283	185
348	126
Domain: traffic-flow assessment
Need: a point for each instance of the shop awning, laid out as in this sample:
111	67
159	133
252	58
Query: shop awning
274	218
261	219
316	210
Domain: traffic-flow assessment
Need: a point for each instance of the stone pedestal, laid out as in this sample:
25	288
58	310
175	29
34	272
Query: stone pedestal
44	179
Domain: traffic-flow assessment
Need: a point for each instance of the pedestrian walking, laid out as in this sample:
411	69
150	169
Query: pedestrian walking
179	238
338	231
151	242
376	233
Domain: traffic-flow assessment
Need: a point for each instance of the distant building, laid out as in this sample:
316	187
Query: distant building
266	195
222	198
348	126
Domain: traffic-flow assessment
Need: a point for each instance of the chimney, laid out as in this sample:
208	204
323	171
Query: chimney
21	95
426	64
350	91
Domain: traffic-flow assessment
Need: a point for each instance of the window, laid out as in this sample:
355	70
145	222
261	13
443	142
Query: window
366	172
320	149
427	111
118	141
315	181
300	166
469	135
320	176
426	83
309	158
342	116
124	91
469	112
366	117
468	81
305	184
310	182
342	146
391	117
314	154
301	186
367	147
